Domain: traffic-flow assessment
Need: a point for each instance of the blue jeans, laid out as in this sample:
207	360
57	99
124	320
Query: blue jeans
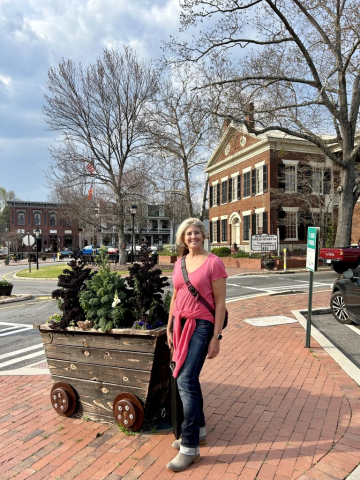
189	385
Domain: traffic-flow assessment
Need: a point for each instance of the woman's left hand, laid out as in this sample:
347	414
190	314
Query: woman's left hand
214	348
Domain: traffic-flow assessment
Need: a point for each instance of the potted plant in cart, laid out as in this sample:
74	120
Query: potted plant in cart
5	288
107	352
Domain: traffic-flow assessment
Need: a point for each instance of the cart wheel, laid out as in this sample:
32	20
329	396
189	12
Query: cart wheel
63	399
128	411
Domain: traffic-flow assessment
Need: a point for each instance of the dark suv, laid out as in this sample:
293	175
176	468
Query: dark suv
345	298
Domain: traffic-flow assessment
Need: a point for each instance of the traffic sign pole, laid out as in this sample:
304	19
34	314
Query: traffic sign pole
308	321
312	255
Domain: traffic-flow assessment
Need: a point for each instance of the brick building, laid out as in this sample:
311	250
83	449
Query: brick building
259	184
56	230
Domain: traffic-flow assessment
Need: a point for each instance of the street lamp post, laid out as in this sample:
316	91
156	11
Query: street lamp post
133	213
37	233
28	235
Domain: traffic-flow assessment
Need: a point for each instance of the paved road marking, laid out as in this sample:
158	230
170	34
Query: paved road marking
14	332
11	324
20	359
18	304
22	350
354	328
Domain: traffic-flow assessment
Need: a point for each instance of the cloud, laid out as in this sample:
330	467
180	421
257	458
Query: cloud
37	34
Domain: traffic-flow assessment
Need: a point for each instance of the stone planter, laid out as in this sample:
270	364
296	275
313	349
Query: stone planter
120	376
6	291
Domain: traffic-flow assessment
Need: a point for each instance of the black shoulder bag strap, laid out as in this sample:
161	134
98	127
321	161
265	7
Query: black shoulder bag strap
193	290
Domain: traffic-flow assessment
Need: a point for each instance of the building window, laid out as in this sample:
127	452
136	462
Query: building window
259	223
316	180
214	236
215	195
52	219
224	230
223	191
37	219
67	222
21	218
291	225
247	184
234	189
259	181
246	223
290	178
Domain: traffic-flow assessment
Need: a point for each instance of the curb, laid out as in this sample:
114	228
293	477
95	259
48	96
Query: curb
19	298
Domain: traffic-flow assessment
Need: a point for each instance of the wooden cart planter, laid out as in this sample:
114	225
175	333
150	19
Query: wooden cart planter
121	375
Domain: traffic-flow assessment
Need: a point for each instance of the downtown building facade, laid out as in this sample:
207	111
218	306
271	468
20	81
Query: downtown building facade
271	183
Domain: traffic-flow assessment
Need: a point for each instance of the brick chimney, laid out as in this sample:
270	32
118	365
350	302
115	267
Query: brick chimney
249	115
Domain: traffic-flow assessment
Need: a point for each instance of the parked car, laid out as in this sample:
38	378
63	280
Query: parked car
345	298
66	253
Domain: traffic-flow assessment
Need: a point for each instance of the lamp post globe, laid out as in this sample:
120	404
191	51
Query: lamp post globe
133	213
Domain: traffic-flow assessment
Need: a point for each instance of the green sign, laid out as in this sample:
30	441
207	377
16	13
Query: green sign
312	250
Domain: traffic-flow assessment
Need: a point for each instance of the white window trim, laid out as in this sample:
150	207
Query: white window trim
260	210
257	169
214	219
290	209
246	213
245	170
235	174
224	179
214	183
290	162
260	164
223	217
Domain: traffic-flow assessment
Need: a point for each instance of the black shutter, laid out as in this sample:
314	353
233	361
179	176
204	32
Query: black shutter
218	194
211	197
253	181
230	190
218	231
301	231
265	178
281	227
265	222
253	224
281	176
224	191
239	187
211	231
327	180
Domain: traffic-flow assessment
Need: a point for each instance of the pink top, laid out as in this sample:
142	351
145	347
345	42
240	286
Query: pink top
187	306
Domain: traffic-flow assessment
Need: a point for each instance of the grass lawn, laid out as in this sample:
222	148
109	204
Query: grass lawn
54	271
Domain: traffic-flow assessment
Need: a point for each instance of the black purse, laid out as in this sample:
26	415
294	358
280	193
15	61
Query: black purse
195	293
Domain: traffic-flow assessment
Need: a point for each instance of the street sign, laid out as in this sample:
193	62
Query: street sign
312	250
264	242
28	240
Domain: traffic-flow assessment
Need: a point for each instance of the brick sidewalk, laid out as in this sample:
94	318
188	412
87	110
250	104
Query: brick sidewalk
274	409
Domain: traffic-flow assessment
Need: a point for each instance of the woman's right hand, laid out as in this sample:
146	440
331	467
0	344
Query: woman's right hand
169	338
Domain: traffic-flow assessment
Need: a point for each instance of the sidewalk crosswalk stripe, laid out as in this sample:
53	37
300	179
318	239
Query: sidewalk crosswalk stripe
13	332
20	359
22	350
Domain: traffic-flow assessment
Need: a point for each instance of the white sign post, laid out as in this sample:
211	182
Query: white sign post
29	240
312	255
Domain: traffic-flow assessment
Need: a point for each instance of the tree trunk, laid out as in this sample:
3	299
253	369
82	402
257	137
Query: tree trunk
346	208
205	190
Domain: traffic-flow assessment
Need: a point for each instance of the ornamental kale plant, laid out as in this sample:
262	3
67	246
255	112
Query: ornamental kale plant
71	282
105	297
148	286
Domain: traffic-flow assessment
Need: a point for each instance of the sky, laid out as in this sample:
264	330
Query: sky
36	35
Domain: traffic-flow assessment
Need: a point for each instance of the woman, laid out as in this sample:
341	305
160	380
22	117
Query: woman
194	333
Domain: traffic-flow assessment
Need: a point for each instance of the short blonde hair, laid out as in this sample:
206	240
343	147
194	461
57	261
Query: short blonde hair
180	234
